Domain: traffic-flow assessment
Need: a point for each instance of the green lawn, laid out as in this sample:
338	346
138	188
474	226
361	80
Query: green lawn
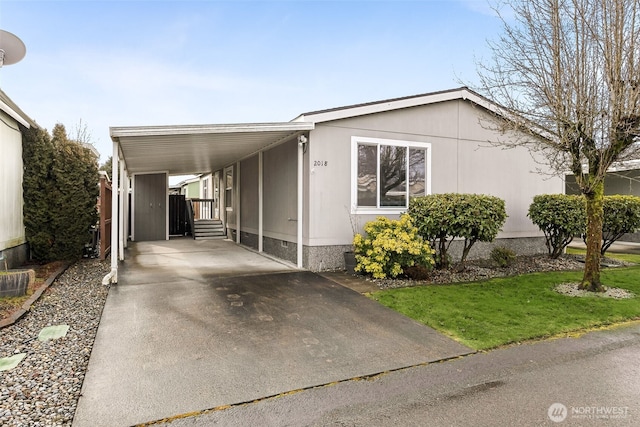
623	257
500	311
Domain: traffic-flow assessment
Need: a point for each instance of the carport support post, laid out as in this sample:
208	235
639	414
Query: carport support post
123	193
112	277
301	141
238	203
260	203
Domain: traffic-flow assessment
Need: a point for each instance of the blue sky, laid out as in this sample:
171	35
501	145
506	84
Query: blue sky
123	63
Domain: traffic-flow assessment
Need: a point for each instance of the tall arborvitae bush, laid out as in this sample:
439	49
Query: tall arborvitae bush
37	189
60	192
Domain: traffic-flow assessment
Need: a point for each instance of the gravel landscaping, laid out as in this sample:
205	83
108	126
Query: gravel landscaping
485	269
43	390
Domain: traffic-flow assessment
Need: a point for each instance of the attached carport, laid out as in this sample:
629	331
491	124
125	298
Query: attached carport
193	149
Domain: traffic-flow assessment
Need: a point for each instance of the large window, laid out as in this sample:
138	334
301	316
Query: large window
387	173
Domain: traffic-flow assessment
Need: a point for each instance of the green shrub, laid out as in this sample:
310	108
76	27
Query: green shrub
389	247
60	190
440	218
621	216
560	217
502	256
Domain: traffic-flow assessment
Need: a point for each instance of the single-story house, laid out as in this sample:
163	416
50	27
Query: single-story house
13	121
299	190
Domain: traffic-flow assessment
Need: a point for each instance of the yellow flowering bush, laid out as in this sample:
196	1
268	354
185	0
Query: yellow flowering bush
390	246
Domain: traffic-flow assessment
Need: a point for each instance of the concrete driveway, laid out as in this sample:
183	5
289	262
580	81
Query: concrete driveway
195	325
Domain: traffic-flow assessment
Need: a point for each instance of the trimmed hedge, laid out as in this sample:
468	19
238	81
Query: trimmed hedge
560	217
621	216
440	218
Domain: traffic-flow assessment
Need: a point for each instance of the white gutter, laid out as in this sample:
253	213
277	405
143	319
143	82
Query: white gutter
14	114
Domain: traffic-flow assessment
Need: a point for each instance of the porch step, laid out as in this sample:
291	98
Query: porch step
205	229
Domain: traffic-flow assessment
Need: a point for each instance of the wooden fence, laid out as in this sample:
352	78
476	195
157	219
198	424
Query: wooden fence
104	207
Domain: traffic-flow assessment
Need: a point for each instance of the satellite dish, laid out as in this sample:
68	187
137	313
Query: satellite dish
12	49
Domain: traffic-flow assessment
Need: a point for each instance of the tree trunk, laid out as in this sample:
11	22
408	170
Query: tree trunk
591	278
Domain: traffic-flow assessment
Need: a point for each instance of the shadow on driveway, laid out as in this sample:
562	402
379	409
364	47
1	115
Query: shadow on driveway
190	341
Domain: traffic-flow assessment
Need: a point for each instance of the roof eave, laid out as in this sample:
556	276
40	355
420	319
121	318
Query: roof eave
10	107
137	131
397	104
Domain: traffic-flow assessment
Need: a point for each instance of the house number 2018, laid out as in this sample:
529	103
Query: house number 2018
320	163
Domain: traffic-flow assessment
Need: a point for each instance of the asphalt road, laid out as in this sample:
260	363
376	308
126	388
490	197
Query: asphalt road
592	380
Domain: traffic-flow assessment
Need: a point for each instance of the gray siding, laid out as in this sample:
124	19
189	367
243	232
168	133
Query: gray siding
280	191
249	194
12	232
462	161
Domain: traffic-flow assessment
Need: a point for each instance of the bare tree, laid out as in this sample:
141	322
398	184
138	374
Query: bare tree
82	134
567	73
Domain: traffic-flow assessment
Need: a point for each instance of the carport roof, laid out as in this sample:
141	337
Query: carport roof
190	149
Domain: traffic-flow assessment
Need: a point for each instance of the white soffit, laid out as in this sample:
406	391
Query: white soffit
192	149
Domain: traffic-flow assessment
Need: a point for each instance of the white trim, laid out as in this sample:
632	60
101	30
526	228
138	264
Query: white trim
14	114
396	104
233	186
354	173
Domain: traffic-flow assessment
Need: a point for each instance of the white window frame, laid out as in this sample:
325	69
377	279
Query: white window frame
355	140
232	196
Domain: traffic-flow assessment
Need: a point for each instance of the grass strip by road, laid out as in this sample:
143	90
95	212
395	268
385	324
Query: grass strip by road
496	312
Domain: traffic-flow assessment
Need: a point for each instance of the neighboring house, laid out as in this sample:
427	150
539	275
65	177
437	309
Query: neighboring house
13	121
622	178
299	190
190	188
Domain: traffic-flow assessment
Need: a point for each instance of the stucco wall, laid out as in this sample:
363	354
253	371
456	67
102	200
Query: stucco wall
12	232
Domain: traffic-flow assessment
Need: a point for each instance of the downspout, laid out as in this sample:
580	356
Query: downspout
112	277
302	140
